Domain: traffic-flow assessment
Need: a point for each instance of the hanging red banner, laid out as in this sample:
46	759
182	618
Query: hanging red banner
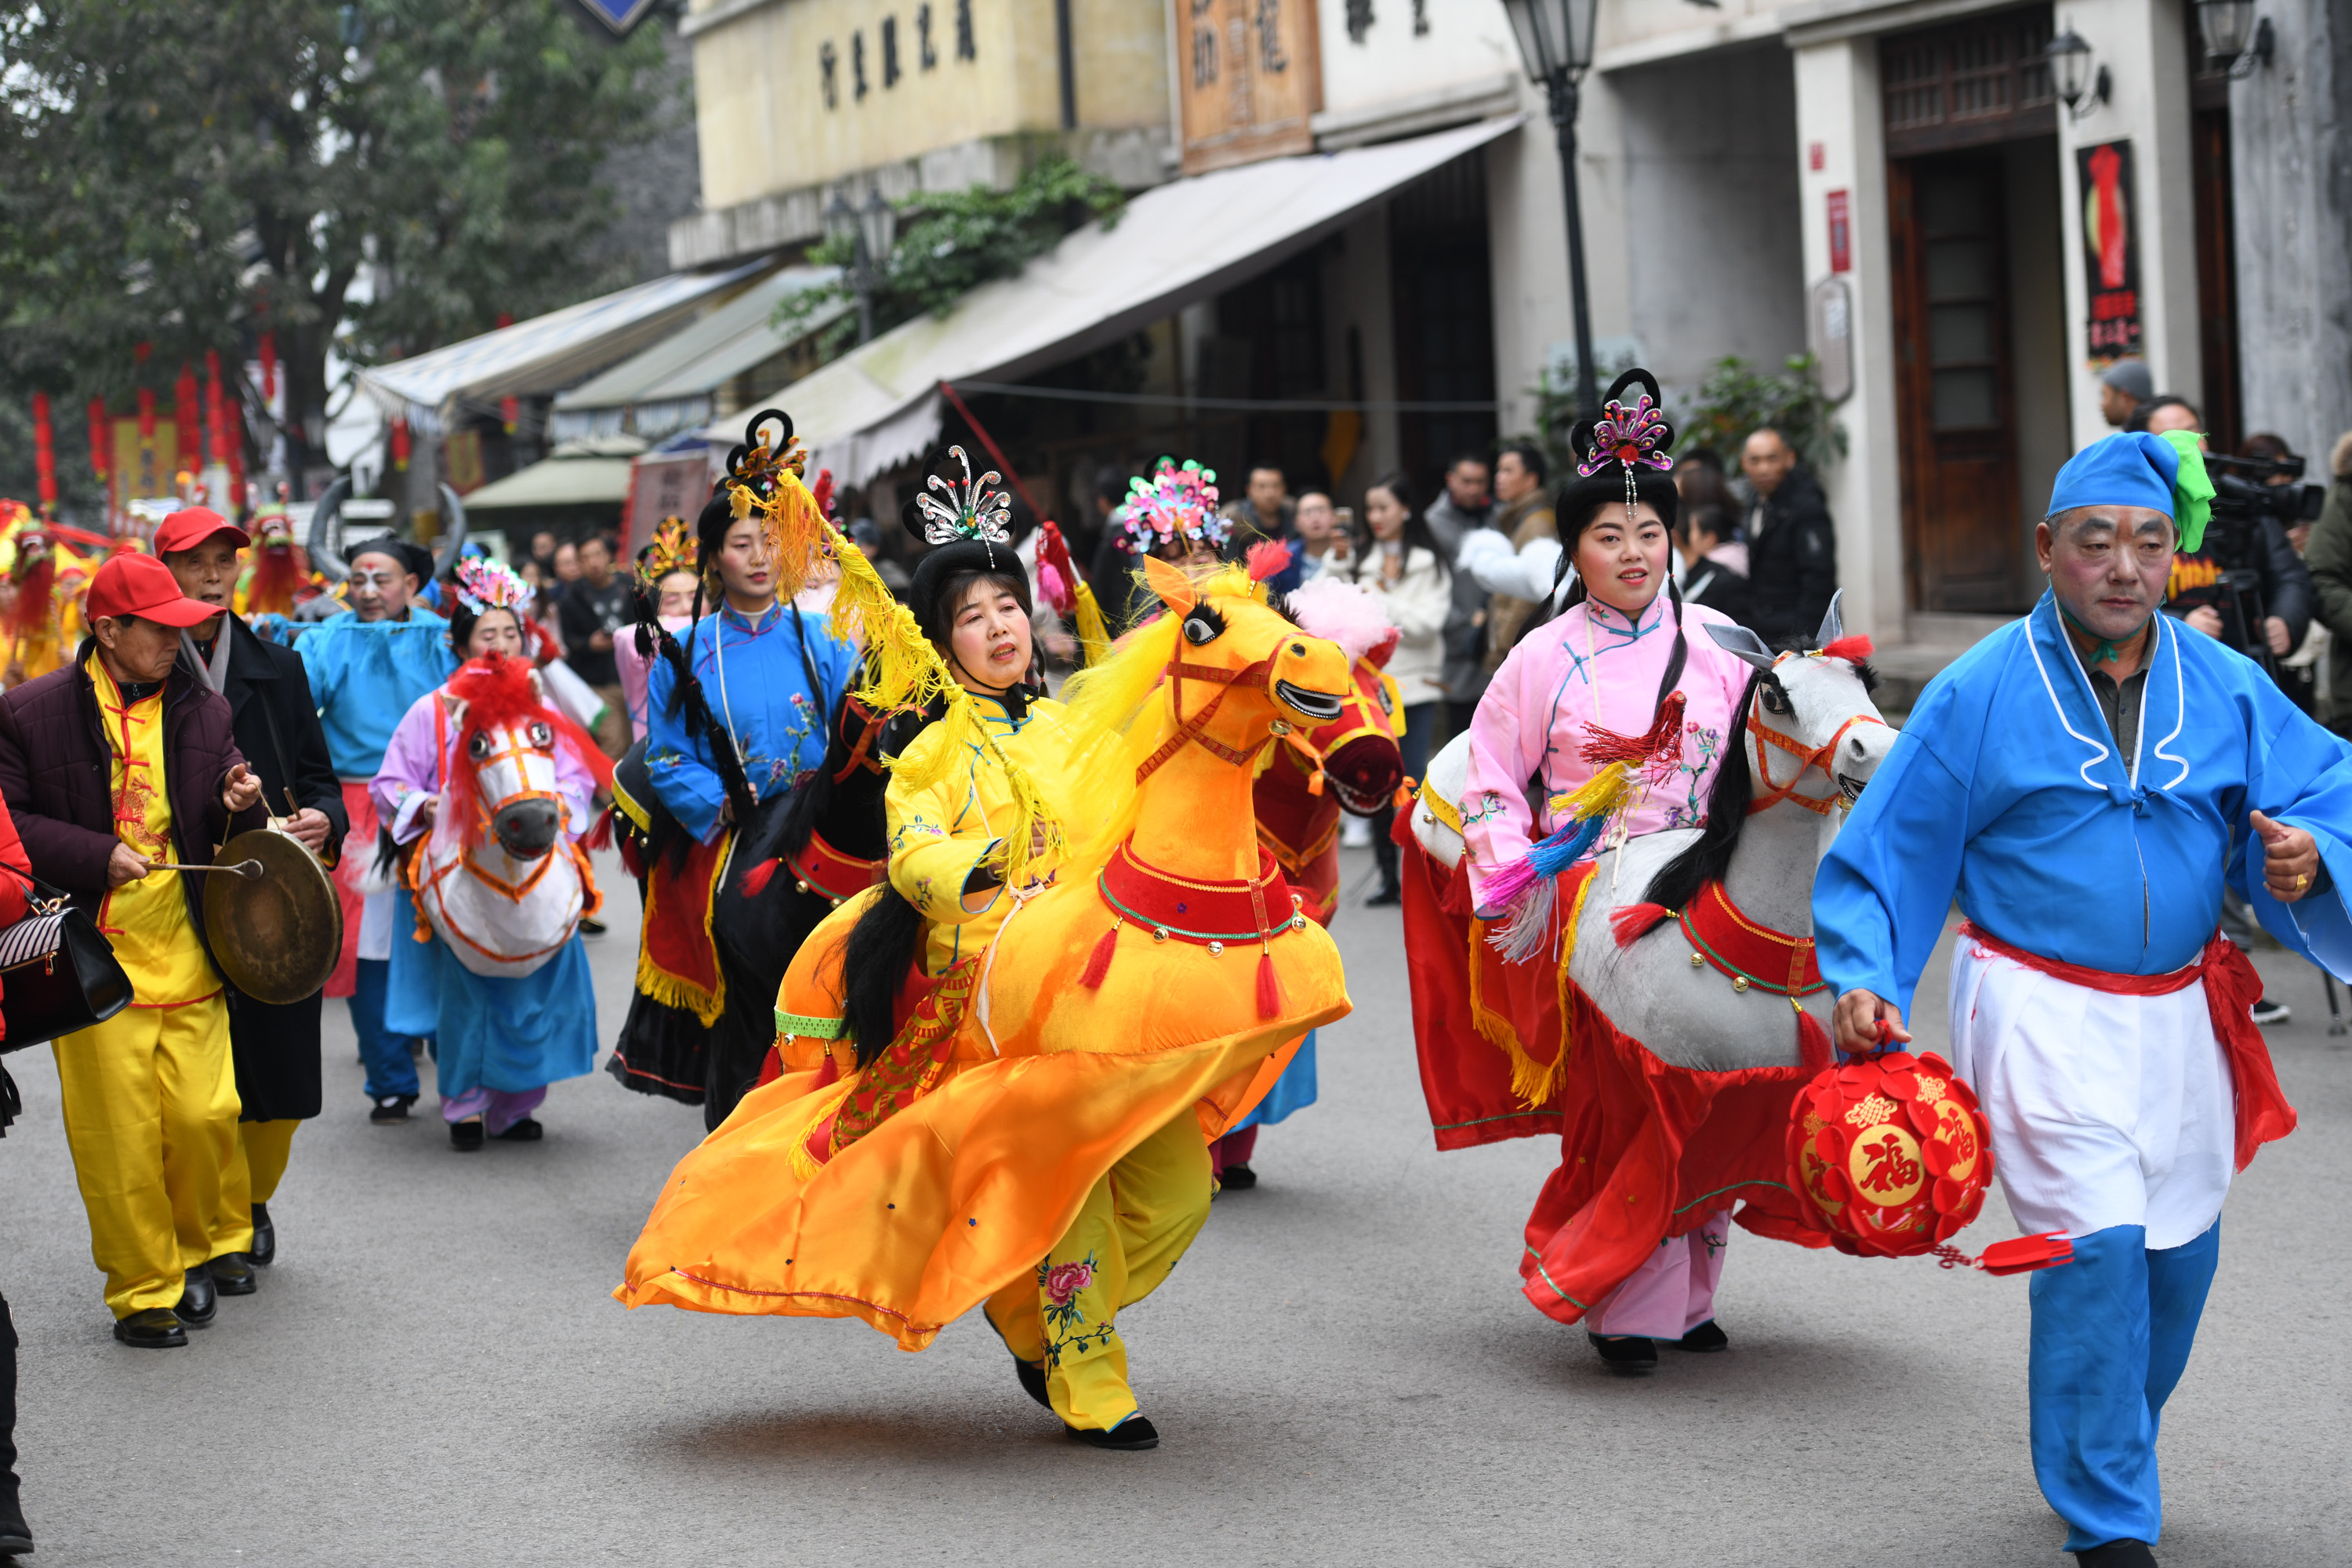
98	438
44	456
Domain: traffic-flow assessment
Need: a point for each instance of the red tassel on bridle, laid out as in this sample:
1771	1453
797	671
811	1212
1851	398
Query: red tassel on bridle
756	880
1663	739
1099	961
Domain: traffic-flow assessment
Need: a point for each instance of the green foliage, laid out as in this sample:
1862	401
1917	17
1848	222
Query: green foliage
189	178
1735	401
957	240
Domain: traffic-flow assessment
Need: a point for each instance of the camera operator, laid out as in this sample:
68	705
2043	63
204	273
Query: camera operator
2247	586
2330	552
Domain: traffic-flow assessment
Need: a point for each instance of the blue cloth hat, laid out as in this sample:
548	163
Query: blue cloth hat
2164	473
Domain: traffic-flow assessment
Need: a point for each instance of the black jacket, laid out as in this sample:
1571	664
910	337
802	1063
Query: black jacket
276	723
1719	587
1791	562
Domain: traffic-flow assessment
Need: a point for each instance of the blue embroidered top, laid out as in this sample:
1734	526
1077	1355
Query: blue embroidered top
2006	789
755	675
365	675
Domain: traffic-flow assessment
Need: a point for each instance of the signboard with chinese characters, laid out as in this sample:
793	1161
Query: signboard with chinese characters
2110	251
1250	74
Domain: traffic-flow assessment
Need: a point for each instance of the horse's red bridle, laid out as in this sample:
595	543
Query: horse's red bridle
1195	728
1817	757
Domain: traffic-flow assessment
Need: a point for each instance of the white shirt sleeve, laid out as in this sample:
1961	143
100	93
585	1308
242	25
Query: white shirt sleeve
1487	556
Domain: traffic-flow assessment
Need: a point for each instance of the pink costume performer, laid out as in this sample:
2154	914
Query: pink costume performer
1592	669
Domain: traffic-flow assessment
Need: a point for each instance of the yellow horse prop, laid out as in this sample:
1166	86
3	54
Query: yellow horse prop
1165	971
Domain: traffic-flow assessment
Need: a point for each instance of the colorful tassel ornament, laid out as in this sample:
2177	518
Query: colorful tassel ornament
1099	961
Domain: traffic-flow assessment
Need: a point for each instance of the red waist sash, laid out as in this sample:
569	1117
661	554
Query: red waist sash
2231	989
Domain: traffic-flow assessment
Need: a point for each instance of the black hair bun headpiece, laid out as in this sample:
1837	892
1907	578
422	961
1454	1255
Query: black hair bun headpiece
1636	434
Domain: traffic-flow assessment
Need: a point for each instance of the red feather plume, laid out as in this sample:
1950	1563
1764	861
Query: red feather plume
1854	650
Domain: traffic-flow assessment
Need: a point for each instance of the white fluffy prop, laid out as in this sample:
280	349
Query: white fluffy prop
1341	612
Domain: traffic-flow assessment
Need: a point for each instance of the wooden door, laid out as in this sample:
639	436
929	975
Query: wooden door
1953	384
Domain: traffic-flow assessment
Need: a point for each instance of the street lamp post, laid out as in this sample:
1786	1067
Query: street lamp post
1556	42
871	230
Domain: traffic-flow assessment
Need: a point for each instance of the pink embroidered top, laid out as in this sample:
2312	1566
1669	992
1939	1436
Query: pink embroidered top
1593	666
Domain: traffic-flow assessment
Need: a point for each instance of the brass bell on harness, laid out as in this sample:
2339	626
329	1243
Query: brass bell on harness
1740	983
1216	950
1696	962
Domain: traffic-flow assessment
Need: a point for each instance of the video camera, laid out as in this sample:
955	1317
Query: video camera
2247	491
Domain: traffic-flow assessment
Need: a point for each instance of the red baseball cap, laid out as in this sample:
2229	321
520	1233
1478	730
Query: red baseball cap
131	584
187	529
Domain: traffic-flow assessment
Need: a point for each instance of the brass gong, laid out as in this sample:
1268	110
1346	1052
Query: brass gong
276	936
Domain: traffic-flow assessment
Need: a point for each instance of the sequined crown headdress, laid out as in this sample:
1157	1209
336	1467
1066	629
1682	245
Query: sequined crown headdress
1174	502
671	549
974	510
484	585
1631	434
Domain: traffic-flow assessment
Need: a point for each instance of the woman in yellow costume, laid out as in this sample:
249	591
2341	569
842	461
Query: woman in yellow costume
999	1107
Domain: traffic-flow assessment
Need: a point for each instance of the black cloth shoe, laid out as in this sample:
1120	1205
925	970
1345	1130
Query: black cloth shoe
198	1300
157	1328
16	1535
2265	1012
2118	1554
1706	1337
265	1237
1132	1435
1630	1354
1032	1378
1238	1178
1388	898
524	1131
390	1108
590	927
466	1136
232	1275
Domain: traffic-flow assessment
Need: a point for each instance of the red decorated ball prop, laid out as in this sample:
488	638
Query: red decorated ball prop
1891	1153
1891	1158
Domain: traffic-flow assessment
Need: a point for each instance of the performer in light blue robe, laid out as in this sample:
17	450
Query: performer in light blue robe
2084	782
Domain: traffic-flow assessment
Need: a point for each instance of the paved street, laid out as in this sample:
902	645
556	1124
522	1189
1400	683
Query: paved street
1343	1370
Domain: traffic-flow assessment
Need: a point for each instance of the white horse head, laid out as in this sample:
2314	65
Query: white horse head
501	878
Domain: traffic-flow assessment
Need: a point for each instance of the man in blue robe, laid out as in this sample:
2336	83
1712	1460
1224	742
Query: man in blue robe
2084	782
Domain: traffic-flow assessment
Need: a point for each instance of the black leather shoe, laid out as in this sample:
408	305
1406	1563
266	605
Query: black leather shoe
1629	1354
2118	1554
265	1237
198	1300
15	1536
232	1275
466	1136
589	927
157	1328
1386	899
527	1130
1708	1337
390	1109
1032	1380
1132	1435
1238	1178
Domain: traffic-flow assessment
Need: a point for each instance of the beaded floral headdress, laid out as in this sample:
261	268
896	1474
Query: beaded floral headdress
974	509
1634	434
485	585
1175	501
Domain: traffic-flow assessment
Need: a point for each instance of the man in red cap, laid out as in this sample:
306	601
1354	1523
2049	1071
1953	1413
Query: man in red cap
118	768
277	728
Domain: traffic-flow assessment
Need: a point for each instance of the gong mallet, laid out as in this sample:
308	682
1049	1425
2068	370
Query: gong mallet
248	869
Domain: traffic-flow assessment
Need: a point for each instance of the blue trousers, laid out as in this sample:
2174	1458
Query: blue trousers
2111	1336
389	1069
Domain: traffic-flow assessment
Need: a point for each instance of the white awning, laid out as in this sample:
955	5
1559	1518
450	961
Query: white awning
1178	243
544	355
578	473
687	367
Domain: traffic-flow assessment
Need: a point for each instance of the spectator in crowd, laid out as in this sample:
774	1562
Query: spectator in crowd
1324	546
542	555
594	610
2159	414
1699	481
2123	388
1523	518
1401	565
1791	544
567	567
1263	512
1464	505
2270	448
1714	568
2330	556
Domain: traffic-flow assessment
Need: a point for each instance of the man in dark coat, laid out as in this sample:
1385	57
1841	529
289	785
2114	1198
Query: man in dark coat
1792	546
278	729
117	769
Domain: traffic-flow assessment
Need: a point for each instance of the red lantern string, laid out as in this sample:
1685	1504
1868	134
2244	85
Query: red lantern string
399	445
269	367
183	414
233	430
45	457
215	423
98	438
146	415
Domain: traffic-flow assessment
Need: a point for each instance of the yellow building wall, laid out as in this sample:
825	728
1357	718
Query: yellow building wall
766	126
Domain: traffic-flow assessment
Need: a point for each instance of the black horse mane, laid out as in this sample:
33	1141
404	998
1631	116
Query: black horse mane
1679	880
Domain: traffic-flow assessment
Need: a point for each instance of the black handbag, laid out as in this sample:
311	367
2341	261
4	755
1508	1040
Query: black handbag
57	974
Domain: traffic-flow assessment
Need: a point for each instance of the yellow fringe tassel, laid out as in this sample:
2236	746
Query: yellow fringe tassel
1093	635
1599	795
1533	1081
668	989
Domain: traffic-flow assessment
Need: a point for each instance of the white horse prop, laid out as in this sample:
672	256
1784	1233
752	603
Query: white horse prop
1676	1008
501	878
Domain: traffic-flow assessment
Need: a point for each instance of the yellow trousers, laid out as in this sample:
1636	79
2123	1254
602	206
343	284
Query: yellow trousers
256	1167
151	1112
1136	1223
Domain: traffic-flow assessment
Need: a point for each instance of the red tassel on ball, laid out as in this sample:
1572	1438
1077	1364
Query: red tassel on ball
1099	961
756	880
1813	1042
1269	986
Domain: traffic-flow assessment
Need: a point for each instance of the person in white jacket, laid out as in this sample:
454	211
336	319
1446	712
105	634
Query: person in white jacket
1403	568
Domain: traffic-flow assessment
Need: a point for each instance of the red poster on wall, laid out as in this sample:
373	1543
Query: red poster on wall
1840	233
2110	251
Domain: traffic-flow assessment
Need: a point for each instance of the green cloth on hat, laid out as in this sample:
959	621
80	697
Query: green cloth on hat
2192	489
